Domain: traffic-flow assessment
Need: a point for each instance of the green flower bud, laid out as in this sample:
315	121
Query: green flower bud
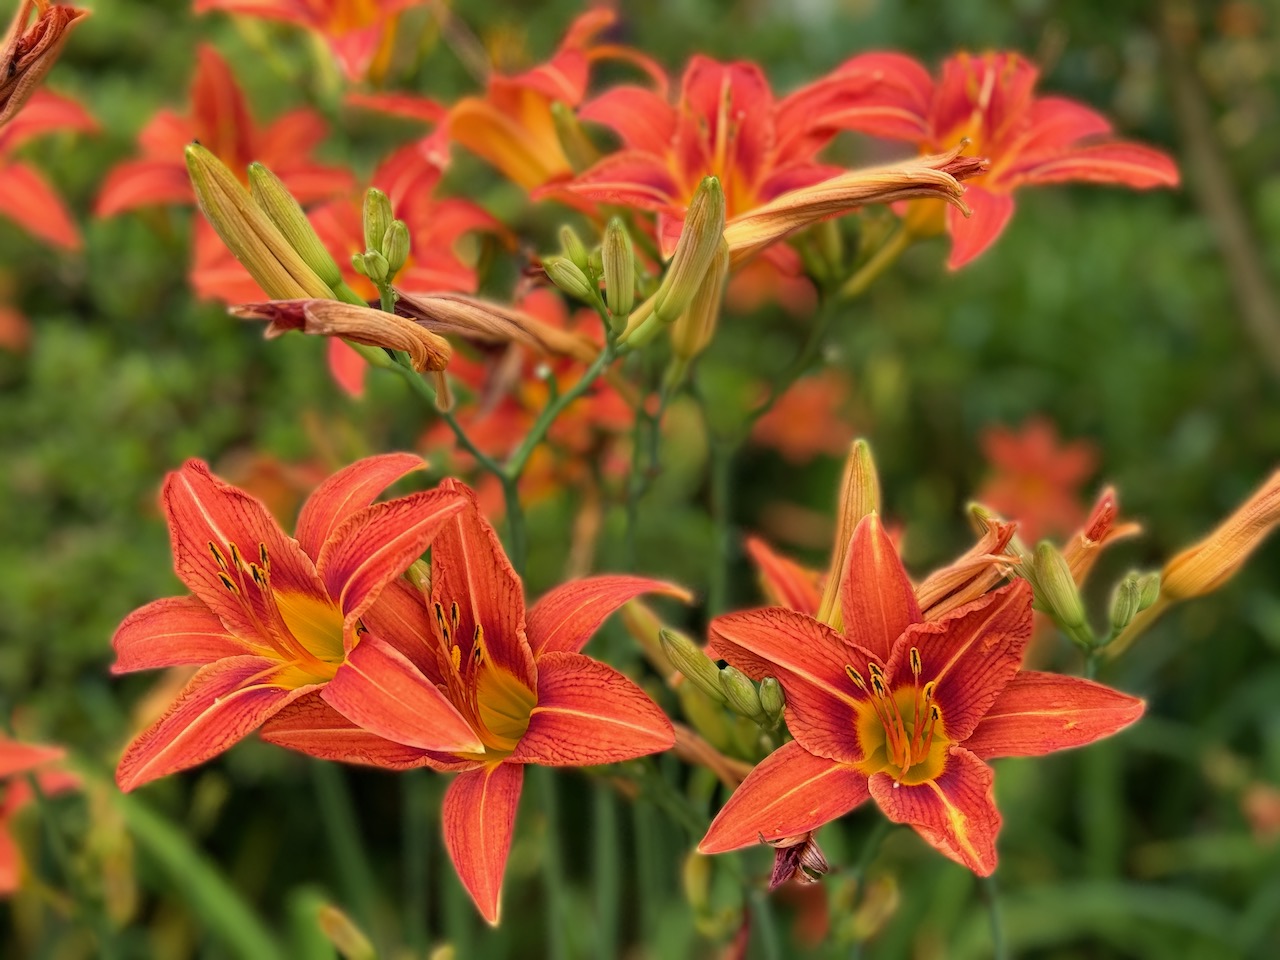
574	248
286	213
772	700
1124	602
741	693
696	250
1148	590
395	247
694	665
1058	592
377	218
618	263
566	275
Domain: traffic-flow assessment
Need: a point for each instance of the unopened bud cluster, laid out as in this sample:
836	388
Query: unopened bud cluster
386	240
579	272
727	686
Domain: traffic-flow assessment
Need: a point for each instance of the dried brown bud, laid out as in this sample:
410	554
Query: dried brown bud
484	321
28	52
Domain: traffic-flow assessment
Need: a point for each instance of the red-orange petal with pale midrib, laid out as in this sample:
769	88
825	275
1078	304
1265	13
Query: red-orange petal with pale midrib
567	616
221	705
956	813
808	659
346	492
172	632
378	688
876	597
790	792
972	653
587	714
479	816
971	236
1039	713
310	726
784	581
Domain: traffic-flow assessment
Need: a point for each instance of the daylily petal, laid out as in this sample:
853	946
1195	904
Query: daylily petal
1055	123
309	725
629	178
808	658
346	492
45	113
380	689
173	632
642	118
524	156
10	863
470	568
587	714
1120	162
347	367
971	655
292	134
784	582
569	615
972	235
406	106
28	200
201	509
956	812
789	793
375	545
16	757
401	618
1039	713
876	597
479	815
221	705
140	183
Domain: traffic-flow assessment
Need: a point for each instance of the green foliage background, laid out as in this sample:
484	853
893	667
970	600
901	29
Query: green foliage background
1111	312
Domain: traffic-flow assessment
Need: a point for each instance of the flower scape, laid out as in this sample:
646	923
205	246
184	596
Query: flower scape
492	622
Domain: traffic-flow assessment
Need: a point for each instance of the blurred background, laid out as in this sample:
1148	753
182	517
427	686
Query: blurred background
1136	335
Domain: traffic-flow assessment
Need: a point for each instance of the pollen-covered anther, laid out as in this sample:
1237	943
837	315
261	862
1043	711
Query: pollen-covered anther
915	662
218	556
228	583
443	627
856	677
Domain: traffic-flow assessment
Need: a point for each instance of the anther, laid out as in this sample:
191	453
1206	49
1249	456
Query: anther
236	559
218	556
928	690
454	614
228	583
444	630
877	684
455	657
259	576
856	677
915	661
263	558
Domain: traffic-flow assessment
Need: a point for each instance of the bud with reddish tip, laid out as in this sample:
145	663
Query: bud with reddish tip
859	497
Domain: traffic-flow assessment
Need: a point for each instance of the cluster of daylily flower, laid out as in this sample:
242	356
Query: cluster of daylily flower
342	642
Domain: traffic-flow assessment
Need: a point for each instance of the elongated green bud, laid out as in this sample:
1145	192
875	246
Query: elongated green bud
694	665
1148	590
772	700
741	694
1058	592
618	263
566	275
695	251
377	218
286	213
395	247
697	325
249	233
574	248
1124	602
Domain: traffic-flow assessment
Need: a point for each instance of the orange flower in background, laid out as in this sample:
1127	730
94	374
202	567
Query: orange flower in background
1037	479
272	618
990	100
436	225
511	126
26	197
17	759
356	30
517	678
806	421
29	49
902	710
220	121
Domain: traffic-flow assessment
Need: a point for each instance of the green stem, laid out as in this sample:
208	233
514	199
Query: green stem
608	871
342	829
766	927
416	787
879	261
722	456
870	847
991	895
552	868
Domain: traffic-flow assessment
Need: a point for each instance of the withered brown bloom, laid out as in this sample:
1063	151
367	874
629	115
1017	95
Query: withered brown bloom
29	51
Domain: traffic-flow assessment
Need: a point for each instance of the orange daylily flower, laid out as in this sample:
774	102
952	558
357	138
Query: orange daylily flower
356	30
220	121
29	50
17	759
808	419
1036	478
990	101
902	710
511	126
516	678
272	618
436	225
26	197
